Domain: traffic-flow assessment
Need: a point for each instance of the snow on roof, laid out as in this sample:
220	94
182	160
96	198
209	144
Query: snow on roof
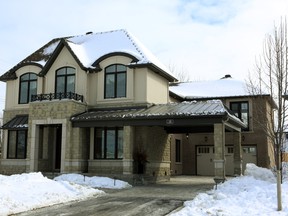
226	87
91	47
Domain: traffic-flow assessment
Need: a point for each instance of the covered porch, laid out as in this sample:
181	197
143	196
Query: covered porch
141	124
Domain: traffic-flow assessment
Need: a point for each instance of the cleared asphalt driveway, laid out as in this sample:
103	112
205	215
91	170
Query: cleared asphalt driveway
152	199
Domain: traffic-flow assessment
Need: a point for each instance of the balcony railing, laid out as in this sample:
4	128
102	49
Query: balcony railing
57	96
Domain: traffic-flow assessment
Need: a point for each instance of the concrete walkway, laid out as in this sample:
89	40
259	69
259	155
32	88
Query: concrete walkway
152	199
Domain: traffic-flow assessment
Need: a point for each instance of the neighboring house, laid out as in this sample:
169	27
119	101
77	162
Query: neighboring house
198	149
99	104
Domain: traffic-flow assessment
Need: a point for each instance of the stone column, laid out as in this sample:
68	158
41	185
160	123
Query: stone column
237	153
219	155
128	143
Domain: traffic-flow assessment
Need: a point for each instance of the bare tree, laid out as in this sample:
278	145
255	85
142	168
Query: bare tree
182	75
270	78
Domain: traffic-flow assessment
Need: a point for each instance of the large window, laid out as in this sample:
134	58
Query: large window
27	88
115	81
241	110
65	80
108	143
17	144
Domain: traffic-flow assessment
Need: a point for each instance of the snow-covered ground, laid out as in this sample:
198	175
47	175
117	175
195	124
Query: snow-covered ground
251	194
24	192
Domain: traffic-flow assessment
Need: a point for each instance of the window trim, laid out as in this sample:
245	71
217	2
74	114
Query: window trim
29	81
115	73
104	139
65	79
239	103
16	156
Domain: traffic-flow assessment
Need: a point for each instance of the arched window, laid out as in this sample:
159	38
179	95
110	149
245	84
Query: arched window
115	81
27	87
65	80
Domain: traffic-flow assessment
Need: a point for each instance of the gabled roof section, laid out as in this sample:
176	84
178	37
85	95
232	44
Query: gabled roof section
89	49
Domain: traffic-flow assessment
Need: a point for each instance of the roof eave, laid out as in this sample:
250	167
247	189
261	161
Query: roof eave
156	69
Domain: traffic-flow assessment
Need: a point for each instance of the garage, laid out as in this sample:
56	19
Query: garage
205	159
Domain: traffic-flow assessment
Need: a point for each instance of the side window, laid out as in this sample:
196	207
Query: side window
17	144
65	80
241	110
178	150
27	87
115	81
108	143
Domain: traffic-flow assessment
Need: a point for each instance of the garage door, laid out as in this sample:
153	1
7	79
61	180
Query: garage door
205	159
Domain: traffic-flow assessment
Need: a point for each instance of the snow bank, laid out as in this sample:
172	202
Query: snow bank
95	181
259	173
32	190
252	194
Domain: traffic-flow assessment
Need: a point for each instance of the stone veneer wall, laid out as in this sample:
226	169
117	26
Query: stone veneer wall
11	166
156	143
76	145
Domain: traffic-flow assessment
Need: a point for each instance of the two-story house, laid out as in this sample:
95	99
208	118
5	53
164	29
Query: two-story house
99	104
198	149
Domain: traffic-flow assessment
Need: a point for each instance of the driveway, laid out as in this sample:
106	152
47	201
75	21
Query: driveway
152	199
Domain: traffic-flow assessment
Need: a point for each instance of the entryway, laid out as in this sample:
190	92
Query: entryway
50	148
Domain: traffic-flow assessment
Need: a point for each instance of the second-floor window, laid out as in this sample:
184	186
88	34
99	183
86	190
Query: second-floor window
115	81
241	110
65	80
27	87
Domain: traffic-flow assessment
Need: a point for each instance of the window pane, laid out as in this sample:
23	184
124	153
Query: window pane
12	144
33	89
110	86
121	85
244	106
33	76
120	144
121	68
60	84
178	150
21	147
111	69
99	144
110	153
70	70
71	84
24	77
61	71
23	92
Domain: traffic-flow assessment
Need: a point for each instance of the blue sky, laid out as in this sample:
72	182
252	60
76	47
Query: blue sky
204	38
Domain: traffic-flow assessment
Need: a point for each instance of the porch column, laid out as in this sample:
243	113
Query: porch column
34	148
237	154
128	143
219	155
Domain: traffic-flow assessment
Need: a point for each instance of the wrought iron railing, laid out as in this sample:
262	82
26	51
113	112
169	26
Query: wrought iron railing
57	96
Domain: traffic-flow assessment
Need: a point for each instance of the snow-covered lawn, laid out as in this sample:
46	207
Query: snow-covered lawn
251	194
24	192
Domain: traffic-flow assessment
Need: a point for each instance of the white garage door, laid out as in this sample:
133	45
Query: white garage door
205	159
